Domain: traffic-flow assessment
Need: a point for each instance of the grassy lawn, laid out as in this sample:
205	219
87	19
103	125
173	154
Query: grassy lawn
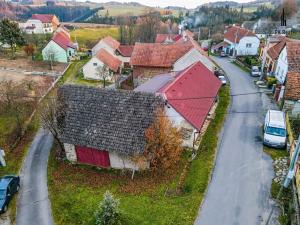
85	36
73	76
76	190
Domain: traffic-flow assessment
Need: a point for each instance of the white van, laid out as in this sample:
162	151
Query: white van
275	129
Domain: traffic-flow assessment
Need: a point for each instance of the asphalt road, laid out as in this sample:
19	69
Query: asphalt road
240	187
33	206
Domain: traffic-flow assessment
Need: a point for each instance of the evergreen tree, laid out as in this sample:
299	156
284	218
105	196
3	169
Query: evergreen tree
108	212
11	34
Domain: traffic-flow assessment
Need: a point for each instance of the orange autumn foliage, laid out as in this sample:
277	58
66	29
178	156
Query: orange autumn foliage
164	143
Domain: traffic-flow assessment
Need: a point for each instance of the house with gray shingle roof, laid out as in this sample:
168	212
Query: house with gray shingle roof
106	128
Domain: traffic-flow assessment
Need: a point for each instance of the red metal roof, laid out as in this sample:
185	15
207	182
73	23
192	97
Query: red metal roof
111	61
126	50
44	18
114	44
193	93
63	40
235	34
157	54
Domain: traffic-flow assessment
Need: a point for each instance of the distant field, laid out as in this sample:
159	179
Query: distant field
86	36
121	10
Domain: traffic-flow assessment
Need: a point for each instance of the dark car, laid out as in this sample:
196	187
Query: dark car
9	185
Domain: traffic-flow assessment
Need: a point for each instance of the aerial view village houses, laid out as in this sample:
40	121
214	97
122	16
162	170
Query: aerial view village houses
149	112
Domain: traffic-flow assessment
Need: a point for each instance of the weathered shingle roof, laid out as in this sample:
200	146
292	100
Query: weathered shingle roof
293	55
293	86
111	120
275	50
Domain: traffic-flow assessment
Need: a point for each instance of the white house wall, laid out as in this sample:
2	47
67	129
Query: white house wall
242	48
180	122
282	66
190	58
89	69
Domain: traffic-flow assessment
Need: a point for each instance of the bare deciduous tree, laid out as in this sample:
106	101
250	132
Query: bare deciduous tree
52	113
14	100
103	73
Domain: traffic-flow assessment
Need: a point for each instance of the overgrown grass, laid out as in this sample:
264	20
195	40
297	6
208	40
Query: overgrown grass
14	159
285	197
89	36
75	191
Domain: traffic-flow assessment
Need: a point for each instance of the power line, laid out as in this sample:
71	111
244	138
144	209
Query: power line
176	99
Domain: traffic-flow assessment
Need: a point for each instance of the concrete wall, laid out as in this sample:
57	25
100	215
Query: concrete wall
190	58
89	70
282	66
292	106
70	152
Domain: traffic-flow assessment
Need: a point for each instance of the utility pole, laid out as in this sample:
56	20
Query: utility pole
199	34
267	42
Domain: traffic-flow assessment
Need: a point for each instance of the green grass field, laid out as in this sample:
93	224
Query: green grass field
85	36
125	10
76	191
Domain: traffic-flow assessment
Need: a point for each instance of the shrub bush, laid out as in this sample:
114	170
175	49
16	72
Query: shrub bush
108	212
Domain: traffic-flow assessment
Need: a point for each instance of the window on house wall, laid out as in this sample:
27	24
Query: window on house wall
94	64
248	45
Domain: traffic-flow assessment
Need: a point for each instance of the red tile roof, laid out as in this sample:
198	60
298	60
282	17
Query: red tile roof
275	50
44	18
111	61
126	50
293	86
160	38
114	44
235	34
63	40
293	55
158	55
193	93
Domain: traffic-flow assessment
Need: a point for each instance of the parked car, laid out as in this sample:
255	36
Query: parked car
9	185
222	54
275	129
255	71
223	80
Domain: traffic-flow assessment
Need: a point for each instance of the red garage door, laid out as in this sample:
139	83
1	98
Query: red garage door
92	156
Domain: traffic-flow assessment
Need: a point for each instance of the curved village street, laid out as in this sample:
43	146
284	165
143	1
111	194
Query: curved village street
33	203
240	187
